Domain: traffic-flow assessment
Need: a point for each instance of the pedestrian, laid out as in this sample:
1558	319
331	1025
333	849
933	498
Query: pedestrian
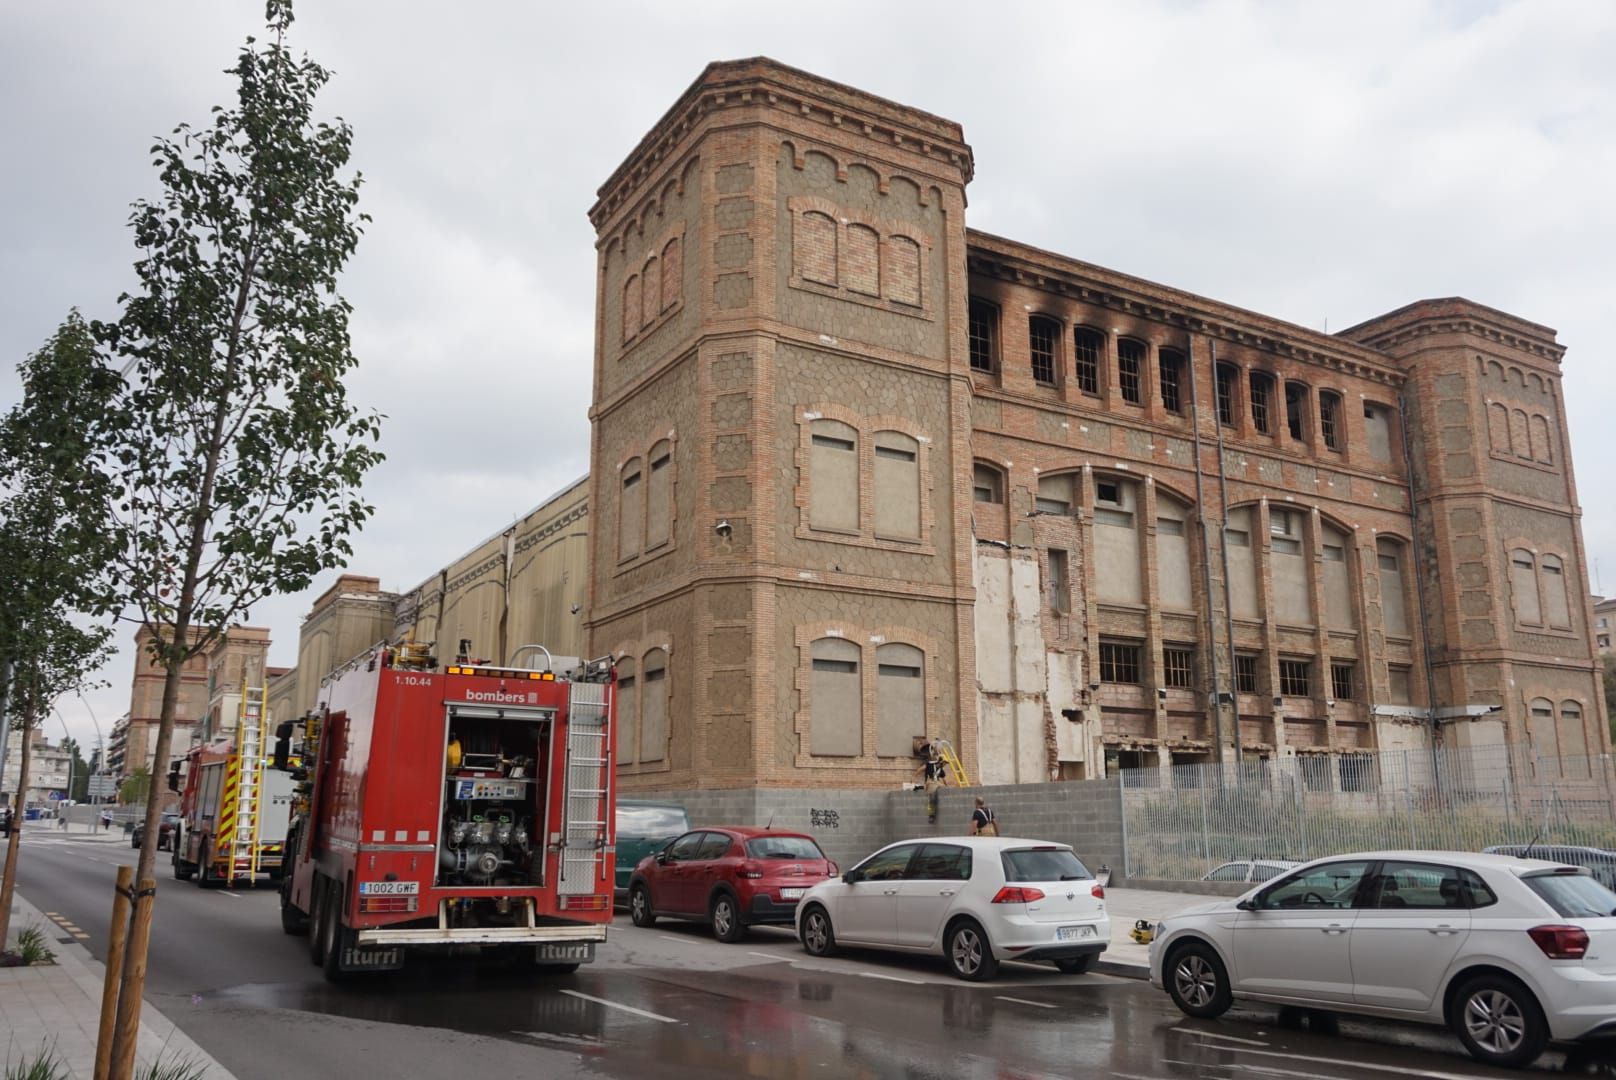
983	821
933	774
106	820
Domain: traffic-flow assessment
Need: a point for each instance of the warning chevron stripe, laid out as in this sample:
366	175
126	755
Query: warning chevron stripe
229	802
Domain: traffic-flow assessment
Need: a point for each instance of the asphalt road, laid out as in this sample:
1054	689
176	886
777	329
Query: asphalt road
672	1002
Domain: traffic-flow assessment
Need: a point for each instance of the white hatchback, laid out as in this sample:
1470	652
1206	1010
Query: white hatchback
980	900
1510	953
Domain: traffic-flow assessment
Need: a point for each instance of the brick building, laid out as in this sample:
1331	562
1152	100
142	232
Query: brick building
862	474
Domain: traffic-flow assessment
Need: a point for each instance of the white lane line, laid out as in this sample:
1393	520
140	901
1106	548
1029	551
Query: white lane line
625	1008
675	937
767	955
890	978
229	895
1215	1035
1024	1001
1260	1070
1368	1065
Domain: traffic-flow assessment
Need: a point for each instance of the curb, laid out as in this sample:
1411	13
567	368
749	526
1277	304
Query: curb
1121	970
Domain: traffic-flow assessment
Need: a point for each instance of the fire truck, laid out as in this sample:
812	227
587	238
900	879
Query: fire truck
462	808
234	807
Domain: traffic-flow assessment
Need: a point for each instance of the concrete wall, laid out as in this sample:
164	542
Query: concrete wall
851	823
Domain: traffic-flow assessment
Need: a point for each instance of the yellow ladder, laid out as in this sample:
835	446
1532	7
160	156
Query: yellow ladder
250	725
956	769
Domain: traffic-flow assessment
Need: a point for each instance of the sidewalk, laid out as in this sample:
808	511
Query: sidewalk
58	1007
1126	906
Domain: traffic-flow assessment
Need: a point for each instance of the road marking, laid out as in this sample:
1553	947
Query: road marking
1433	1074
673	937
81	935
1215	1035
230	895
625	1008
1024	1001
890	978
766	955
1261	1070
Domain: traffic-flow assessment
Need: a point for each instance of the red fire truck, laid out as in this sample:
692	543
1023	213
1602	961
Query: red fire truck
468	804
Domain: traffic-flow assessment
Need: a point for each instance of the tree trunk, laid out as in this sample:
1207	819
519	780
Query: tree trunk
8	881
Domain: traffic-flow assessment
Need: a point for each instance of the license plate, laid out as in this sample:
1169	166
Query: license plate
389	888
792	894
574	952
1074	933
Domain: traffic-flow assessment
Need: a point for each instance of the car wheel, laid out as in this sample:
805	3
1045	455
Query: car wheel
1197	981
970	955
1075	965
1499	1021
817	936
639	906
727	924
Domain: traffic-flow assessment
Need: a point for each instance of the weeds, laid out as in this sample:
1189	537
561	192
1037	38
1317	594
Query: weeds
172	1068
44	1065
32	946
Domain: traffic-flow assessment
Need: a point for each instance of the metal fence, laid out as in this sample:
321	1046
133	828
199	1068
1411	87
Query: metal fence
1182	822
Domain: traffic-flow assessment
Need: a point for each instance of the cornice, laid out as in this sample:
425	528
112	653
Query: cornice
1477	325
1007	260
765	83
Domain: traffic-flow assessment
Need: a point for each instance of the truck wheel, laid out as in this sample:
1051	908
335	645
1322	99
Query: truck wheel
639	906
317	924
338	938
293	920
727	924
182	869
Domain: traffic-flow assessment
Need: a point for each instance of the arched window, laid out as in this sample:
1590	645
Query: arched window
1055	495
1542	447
862	263
836	695
1130	370
1556	603
659	496
1519	436
1043	346
631	306
1523	586
1090	348
903	272
833	468
814	248
897	486
628	711
651	303
1498	427
1389	559
1542	734
672	273
654	707
630	511
1573	741
1330	419
987	484
900	698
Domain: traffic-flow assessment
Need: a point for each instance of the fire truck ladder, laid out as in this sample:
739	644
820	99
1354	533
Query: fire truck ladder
250	753
956	768
583	837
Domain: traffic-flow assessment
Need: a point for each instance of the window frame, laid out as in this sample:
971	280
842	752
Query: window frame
1170	364
1118	659
1087	368
1132	356
1343	673
1226	393
983	336
1178	667
1295	672
1050	331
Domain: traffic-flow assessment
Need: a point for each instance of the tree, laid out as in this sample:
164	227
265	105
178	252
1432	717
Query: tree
238	455
54	543
137	788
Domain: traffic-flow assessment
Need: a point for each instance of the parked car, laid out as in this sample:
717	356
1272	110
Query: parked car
1601	863
642	828
1510	953
731	876
165	831
980	900
1252	870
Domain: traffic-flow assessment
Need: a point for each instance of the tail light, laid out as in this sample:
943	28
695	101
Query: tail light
1560	942
1017	894
750	869
1098	892
586	902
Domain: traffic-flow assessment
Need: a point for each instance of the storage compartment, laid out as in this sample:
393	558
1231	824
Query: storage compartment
494	798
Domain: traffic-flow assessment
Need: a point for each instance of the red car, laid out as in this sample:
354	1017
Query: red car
732	876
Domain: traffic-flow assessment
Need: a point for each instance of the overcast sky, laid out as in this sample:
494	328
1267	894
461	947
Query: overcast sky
1322	163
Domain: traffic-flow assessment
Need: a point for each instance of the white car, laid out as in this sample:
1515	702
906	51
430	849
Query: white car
980	900
1510	953
1251	870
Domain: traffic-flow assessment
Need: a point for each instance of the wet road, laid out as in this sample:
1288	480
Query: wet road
671	1002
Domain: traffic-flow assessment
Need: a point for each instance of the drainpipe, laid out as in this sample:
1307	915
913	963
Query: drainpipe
1419	592
1228	591
1206	556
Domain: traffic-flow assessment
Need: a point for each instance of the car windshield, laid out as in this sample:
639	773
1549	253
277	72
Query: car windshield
1573	896
783	847
1043	864
650	820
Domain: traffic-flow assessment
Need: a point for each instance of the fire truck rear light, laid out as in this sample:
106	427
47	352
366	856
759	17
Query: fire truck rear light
386	905
592	902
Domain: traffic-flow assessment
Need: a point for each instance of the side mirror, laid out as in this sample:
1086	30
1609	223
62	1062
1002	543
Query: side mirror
283	746
661	858
174	777
1247	905
852	877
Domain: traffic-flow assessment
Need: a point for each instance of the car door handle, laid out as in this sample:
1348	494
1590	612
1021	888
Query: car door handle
889	892
1441	931
1334	928
945	892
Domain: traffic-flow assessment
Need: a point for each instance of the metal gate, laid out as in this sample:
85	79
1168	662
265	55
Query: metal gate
584	830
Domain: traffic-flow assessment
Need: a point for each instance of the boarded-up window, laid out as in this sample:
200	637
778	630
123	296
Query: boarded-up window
652	301
1055	494
628	711
1393	591
1540	730
630	511
862	264
1378	431
1399	685
1293	597
1173	585
1498	427
1523	586
654	707
814	248
1556	607
1059	582
1542	448
631	306
900	689
1338	608
659	496
987	484
1118	571
833	476
672	273
1242	565
903	273
897	485
1519	435
836	725
1573	740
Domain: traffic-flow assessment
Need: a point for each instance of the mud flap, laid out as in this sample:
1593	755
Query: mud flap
564	952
